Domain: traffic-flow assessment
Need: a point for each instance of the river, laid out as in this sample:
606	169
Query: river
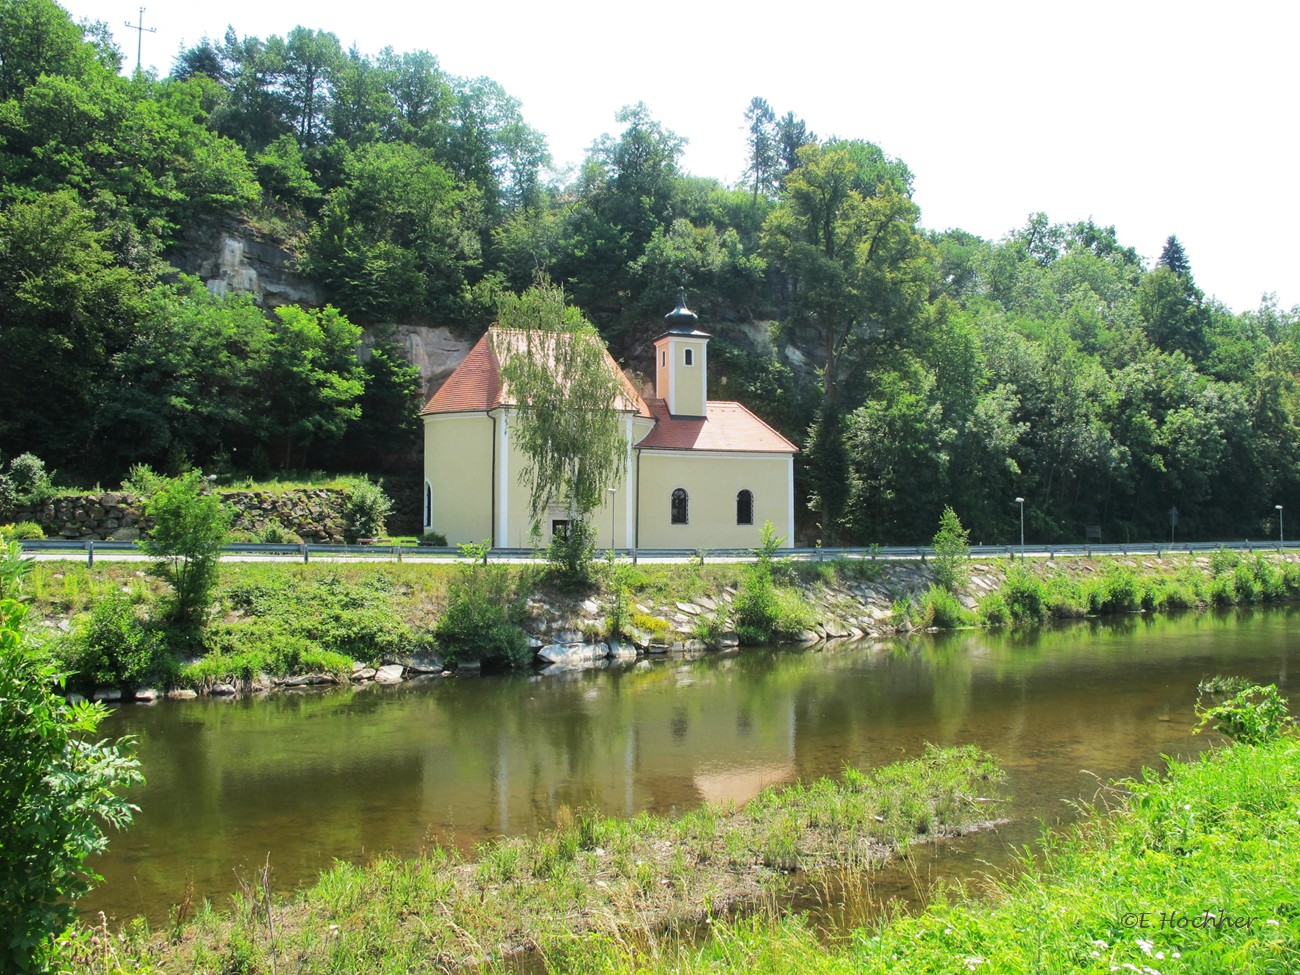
306	778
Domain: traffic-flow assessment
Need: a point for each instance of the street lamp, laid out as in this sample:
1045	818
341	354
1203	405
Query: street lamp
1280	539
1021	502
613	493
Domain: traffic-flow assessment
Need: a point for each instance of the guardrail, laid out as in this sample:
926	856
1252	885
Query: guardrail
424	553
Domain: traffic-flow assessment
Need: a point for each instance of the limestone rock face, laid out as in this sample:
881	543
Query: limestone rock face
233	258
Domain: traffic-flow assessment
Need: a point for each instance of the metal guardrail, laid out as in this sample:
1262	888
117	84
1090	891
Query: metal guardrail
373	552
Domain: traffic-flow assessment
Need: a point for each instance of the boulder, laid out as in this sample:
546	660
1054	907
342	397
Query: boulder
182	694
222	690
619	650
148	694
106	694
572	653
389	674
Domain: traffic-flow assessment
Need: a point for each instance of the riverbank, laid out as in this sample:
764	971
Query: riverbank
277	625
611	880
1184	872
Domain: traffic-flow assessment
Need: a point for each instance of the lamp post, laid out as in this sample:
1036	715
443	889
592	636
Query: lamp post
1021	502
613	493
1280	539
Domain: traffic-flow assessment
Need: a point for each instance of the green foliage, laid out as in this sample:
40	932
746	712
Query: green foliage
951	552
113	647
433	538
571	555
58	787
568	394
365	510
1024	596
993	610
1254	715
938	607
22	531
484	609
190	527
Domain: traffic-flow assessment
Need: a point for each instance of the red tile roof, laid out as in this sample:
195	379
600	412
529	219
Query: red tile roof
728	427
476	383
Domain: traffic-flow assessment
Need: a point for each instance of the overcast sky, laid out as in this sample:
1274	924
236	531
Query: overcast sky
1158	117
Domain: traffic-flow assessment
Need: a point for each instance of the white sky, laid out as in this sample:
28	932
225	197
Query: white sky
1158	117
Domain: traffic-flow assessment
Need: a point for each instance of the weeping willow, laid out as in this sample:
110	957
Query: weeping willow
568	394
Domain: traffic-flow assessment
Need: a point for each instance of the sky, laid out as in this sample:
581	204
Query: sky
1153	116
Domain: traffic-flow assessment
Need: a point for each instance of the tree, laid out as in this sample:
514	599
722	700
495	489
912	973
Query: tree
763	147
566	390
1174	257
312	379
845	234
190	527
58	788
951	552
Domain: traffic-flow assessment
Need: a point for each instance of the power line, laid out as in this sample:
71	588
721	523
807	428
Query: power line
140	30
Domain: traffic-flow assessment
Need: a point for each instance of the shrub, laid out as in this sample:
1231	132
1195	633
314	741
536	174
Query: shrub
115	647
189	531
31	484
571	555
276	534
435	539
1024	595
1254	715
993	610
143	482
365	510
951	552
23	531
938	607
483	614
1119	590
58	791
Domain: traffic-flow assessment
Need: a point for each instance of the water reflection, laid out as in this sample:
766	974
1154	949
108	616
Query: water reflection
312	777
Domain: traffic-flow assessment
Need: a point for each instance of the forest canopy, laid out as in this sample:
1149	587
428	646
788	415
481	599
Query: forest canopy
917	368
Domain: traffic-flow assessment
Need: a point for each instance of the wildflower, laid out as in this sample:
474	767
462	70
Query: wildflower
1146	946
1272	923
973	962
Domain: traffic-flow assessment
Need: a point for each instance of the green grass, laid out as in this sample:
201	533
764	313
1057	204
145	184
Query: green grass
1190	872
589	877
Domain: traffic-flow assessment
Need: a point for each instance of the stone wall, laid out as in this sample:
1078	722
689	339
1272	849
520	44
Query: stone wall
316	515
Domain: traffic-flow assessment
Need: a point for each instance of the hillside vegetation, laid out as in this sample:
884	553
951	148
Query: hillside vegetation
930	367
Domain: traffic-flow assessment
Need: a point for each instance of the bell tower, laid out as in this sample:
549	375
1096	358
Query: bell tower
681	363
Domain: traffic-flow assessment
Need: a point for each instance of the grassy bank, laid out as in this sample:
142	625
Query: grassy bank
1190	872
617	881
280	618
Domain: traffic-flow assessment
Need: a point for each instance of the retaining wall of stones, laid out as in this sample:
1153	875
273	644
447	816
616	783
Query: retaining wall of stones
315	515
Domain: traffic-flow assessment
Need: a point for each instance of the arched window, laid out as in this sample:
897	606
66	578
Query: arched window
680	501
428	505
690	357
745	508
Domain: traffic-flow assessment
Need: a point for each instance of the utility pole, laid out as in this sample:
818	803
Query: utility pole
140	30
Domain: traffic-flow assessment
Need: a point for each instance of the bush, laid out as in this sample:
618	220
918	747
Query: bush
951	552
1119	590
483	614
993	610
276	534
435	539
113	647
365	511
1024	594
190	527
58	791
31	484
572	554
143	482
23	531
938	607
1254	715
